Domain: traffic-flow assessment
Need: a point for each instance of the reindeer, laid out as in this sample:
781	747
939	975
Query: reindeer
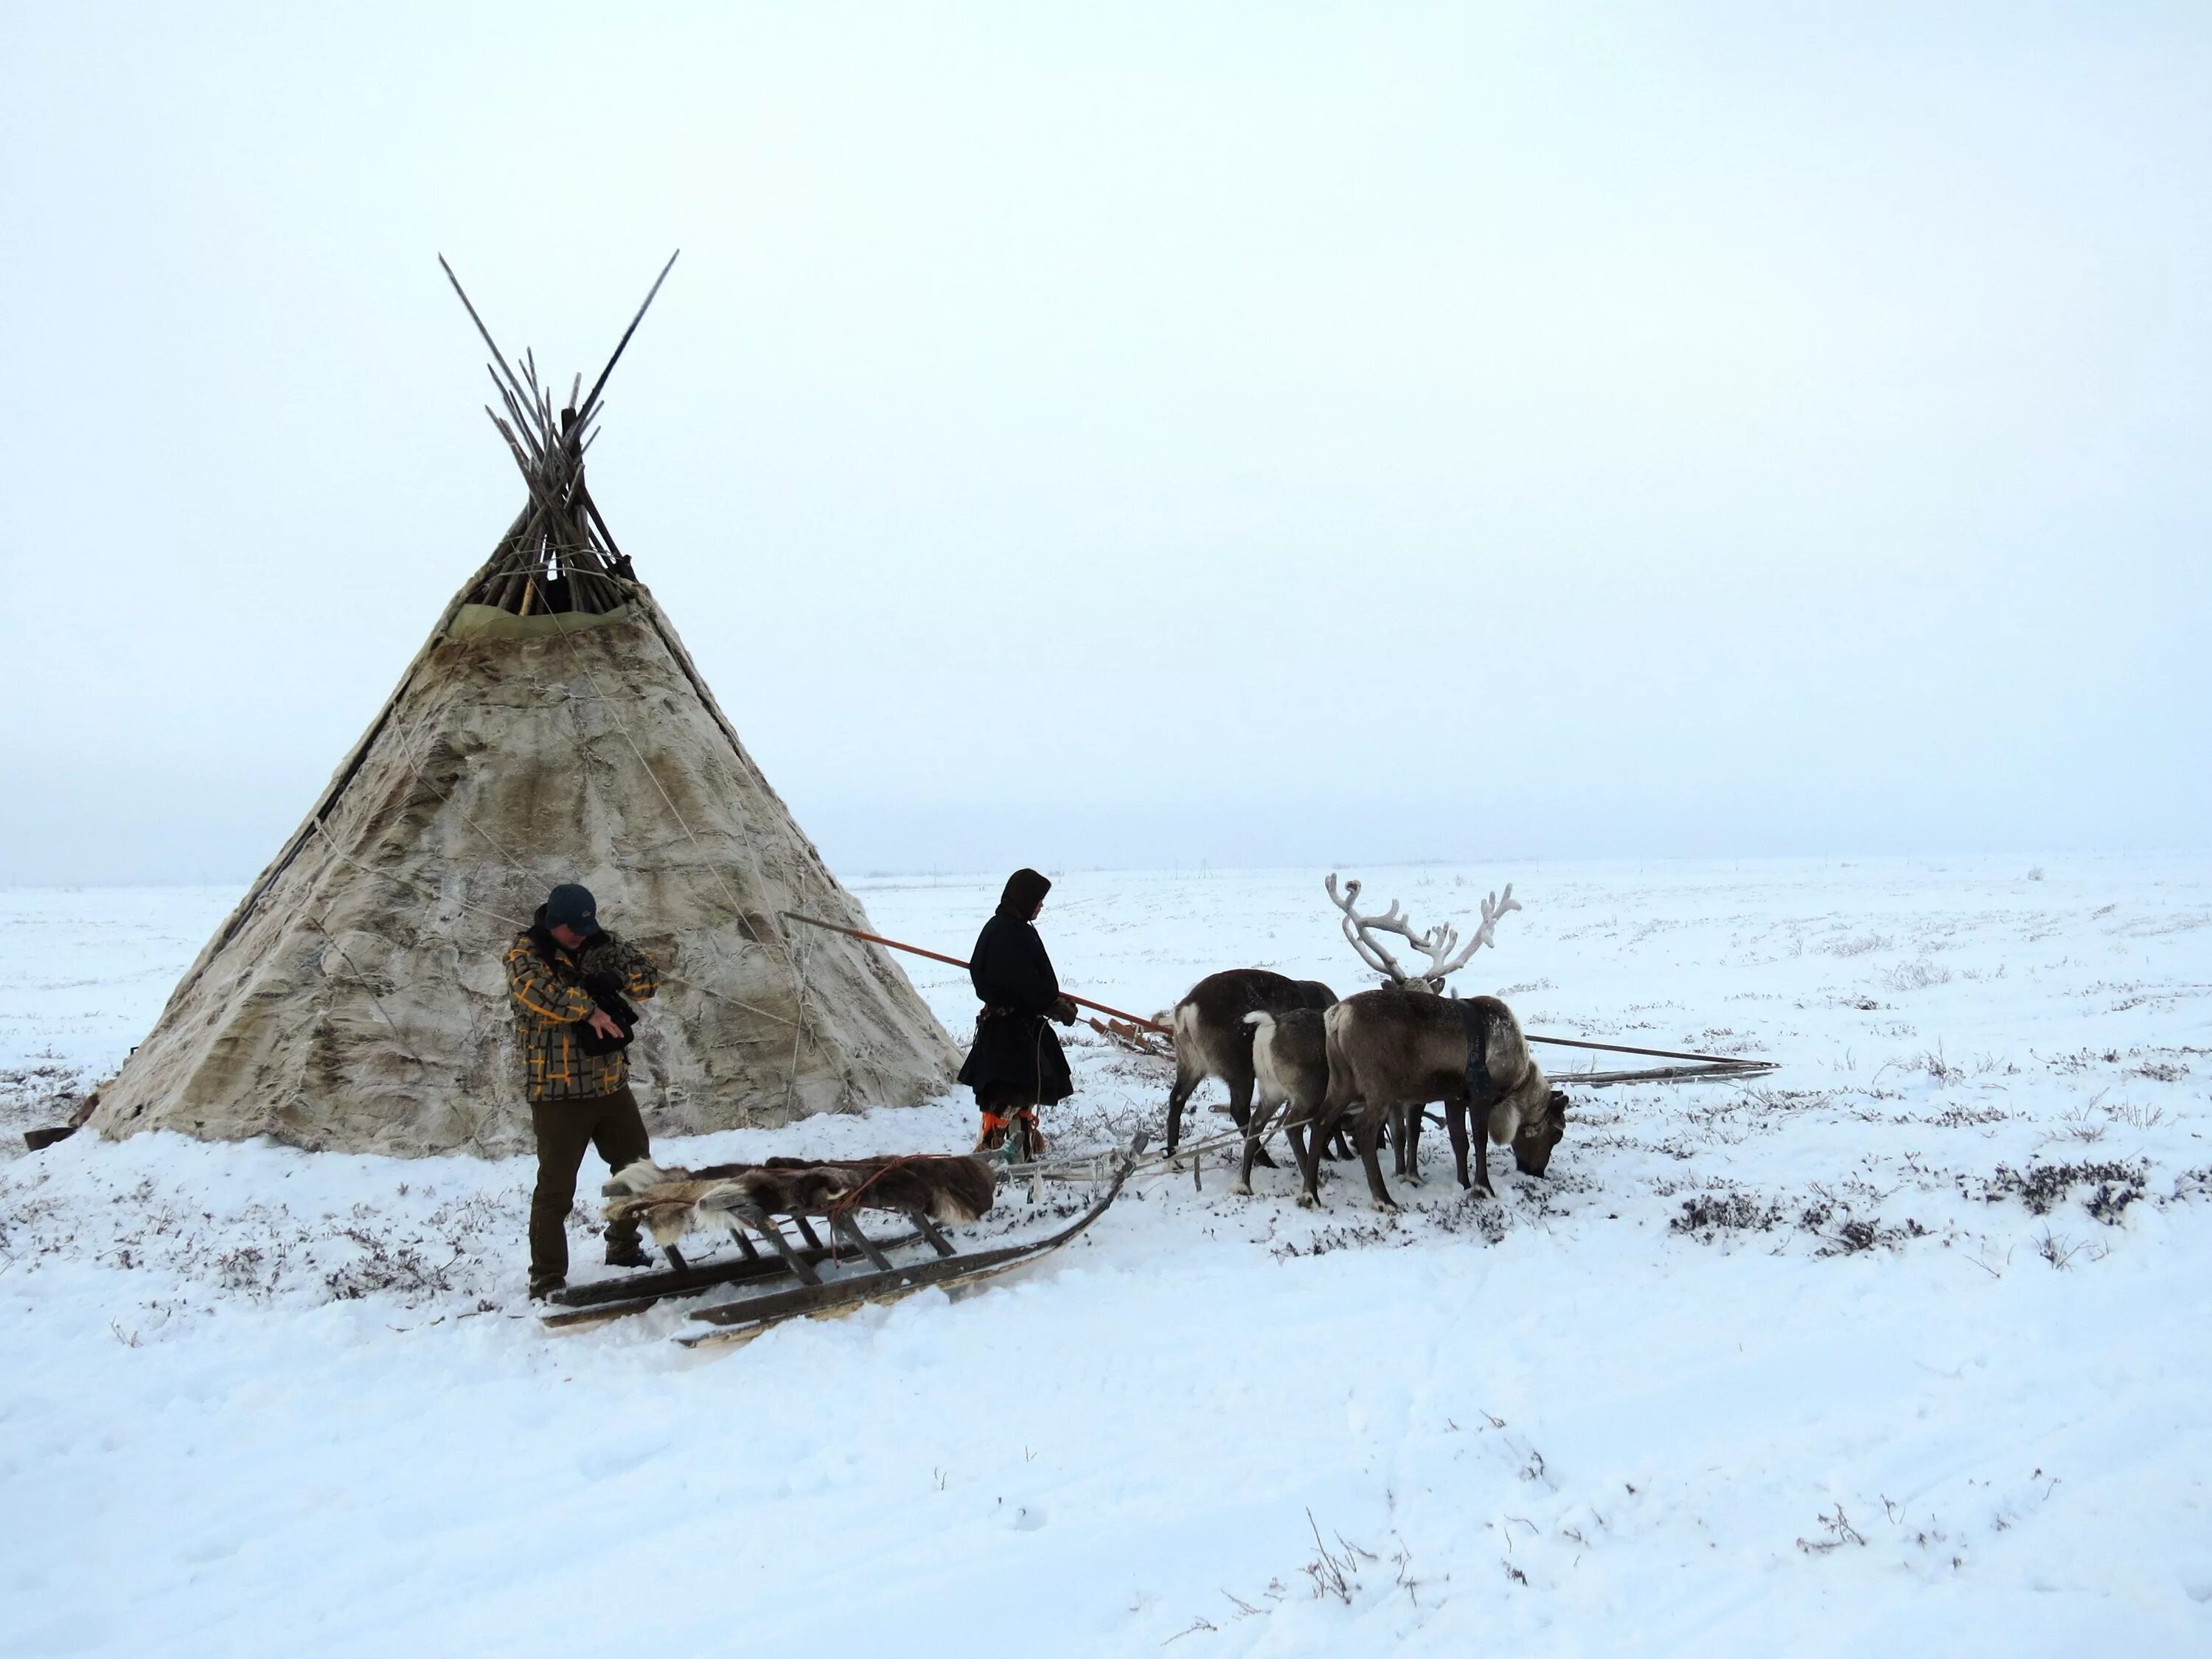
1390	1051
1212	1040
1290	1067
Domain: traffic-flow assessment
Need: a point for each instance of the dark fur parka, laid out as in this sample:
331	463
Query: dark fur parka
1016	1059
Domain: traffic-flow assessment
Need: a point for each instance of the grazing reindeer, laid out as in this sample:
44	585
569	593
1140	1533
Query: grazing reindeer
1446	958
1390	1051
1212	1040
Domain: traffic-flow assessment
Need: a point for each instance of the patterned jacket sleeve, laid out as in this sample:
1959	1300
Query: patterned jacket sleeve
641	978
535	989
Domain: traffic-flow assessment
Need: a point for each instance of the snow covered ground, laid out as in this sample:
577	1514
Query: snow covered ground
1900	1351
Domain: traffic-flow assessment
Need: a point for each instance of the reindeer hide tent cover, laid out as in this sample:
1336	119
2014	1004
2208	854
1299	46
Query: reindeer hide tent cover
552	728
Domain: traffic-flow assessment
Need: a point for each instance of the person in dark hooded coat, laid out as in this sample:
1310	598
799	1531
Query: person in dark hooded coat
1016	1065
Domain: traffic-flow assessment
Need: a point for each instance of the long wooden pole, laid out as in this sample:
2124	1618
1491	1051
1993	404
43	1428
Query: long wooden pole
1662	1053
584	409
1728	1062
955	962
505	368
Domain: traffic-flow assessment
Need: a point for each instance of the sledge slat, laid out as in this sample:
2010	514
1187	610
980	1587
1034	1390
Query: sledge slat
862	1243
927	1229
801	1262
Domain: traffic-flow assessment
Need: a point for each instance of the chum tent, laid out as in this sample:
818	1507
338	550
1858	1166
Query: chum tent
552	728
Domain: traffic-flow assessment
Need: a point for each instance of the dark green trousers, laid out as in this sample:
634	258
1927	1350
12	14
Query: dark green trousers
565	1129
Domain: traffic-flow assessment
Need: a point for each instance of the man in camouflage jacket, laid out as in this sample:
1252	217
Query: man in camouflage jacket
572	982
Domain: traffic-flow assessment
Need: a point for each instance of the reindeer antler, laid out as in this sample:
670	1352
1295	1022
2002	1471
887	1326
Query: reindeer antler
1355	927
1494	909
1440	943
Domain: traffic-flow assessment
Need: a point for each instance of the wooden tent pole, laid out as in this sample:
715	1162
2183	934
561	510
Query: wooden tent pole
939	955
584	408
1154	1025
481	329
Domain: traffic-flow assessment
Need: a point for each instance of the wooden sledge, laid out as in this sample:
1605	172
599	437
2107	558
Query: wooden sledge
747	1317
604	1299
805	1260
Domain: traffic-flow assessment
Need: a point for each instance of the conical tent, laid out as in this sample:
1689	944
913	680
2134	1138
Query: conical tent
552	728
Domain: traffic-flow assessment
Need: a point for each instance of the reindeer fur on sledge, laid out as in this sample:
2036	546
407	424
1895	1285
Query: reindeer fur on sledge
670	1202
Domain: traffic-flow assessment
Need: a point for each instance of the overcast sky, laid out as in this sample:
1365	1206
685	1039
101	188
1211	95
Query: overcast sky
1140	435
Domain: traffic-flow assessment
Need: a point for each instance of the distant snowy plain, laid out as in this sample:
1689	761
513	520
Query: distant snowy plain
1903	1350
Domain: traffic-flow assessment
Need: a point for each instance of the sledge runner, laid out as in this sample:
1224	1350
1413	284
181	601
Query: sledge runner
573	984
1017	1064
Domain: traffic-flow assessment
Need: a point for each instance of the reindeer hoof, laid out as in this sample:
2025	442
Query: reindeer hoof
1483	1191
1307	1201
1241	1188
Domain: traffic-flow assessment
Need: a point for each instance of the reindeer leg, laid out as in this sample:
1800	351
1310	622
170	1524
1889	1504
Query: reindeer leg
1455	1122
1369	1136
1482	1160
1325	1123
1414	1115
1308	1136
1240	1113
1177	1097
1262	1114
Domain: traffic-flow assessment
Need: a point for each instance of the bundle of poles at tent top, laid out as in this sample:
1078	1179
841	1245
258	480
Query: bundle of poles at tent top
560	556
1693	1065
